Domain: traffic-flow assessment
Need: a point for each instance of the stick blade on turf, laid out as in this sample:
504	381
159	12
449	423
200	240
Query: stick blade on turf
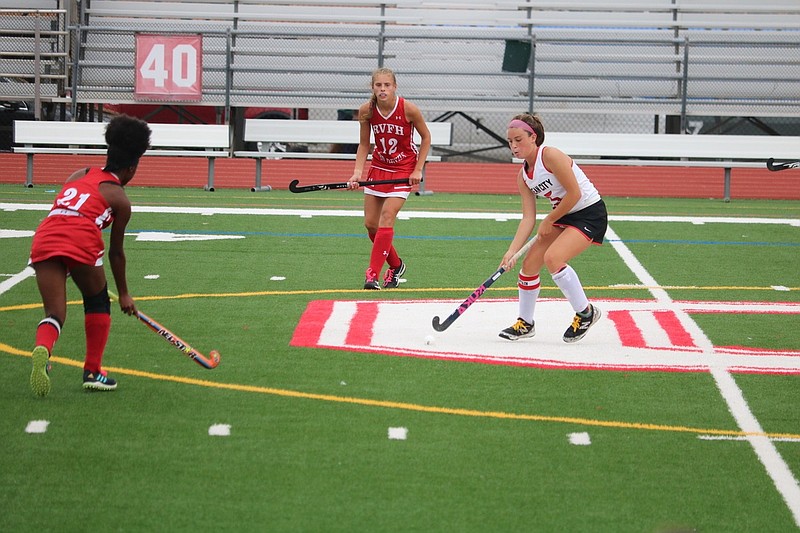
440	326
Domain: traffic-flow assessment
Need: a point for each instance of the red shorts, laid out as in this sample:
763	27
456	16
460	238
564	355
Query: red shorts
398	190
71	237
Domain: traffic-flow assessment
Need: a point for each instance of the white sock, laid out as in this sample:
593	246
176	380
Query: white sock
528	294
567	280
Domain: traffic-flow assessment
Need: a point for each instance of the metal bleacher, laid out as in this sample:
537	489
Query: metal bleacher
32	52
725	58
477	59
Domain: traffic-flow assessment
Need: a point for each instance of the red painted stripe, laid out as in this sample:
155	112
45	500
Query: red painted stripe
309	329
362	324
678	336
629	332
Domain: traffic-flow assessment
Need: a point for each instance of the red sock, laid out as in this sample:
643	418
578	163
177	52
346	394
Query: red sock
47	333
392	258
97	326
381	246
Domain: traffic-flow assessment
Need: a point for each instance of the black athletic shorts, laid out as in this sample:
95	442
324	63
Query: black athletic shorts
592	221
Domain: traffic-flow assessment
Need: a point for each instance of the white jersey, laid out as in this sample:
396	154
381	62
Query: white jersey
544	183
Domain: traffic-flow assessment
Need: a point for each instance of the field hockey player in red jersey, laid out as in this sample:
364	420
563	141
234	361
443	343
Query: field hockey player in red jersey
392	121
69	242
577	220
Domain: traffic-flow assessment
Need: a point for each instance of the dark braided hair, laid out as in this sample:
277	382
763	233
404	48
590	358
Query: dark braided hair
127	139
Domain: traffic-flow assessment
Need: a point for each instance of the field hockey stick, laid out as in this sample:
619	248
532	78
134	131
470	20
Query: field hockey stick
176	341
180	344
477	293
295	187
781	165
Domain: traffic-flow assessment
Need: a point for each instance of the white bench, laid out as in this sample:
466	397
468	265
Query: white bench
185	140
320	132
714	151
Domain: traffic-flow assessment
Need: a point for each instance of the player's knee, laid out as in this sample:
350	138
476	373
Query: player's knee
99	303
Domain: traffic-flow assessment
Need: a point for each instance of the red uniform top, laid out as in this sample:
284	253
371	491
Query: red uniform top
395	151
73	227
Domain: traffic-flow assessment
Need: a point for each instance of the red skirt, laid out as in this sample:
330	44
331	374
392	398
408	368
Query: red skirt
74	237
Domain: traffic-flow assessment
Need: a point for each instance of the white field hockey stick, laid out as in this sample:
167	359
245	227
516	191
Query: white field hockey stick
477	293
781	165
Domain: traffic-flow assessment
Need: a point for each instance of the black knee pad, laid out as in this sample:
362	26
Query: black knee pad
99	303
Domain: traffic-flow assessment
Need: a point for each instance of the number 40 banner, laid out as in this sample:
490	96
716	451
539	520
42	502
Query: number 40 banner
169	67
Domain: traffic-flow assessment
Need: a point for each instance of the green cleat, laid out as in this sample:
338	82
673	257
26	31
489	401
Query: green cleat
40	375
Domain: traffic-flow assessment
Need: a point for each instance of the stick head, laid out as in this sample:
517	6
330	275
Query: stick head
214	356
437	325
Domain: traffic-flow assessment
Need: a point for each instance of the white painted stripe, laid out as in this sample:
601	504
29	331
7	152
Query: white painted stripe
15	233
165	236
579	439
8	284
776	467
9	206
37	426
398	433
743	438
342	313
780	288
654	335
220	430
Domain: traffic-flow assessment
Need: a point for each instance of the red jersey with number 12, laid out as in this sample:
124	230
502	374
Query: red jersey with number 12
73	226
395	150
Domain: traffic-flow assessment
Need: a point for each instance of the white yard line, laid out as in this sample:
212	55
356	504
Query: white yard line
776	467
8	284
9	206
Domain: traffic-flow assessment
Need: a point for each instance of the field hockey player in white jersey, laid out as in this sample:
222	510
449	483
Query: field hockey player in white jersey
578	219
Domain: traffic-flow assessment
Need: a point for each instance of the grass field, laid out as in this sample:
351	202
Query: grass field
492	444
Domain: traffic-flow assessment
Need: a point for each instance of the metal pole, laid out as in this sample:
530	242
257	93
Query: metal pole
685	91
531	73
228	75
381	38
37	65
727	185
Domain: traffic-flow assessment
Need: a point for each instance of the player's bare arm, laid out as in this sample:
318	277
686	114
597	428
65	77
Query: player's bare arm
414	116
364	146
119	202
78	174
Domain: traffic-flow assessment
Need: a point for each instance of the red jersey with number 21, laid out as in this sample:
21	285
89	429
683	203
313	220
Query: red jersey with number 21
73	227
